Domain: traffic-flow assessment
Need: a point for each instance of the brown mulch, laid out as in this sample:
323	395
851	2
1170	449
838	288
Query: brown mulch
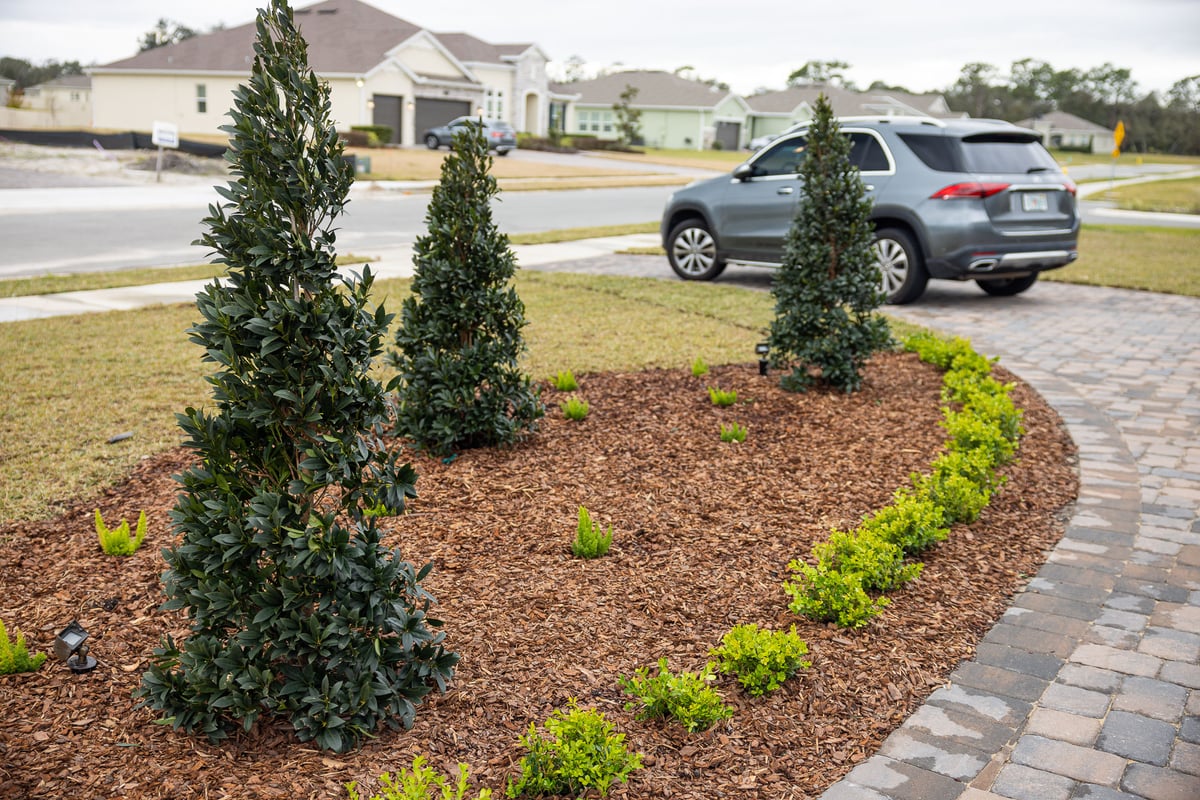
703	534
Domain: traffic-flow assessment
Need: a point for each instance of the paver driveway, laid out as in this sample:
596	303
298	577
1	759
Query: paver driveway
1089	686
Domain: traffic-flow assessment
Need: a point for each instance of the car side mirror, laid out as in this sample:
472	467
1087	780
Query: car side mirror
743	171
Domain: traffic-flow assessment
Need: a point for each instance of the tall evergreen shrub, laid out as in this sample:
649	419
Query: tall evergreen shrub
460	333
295	607
828	288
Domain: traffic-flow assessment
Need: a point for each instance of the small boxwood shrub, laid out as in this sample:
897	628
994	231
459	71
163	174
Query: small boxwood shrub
879	563
686	697
417	783
970	432
761	659
959	485
14	655
827	595
579	752
911	523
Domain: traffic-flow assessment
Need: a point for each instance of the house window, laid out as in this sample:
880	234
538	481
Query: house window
74	97
493	104
201	98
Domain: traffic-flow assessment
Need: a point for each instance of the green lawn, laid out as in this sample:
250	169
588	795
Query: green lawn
74	382
1131	257
1174	196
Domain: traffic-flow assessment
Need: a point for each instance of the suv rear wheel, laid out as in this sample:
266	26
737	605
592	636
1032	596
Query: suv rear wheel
903	275
692	251
1007	287
432	142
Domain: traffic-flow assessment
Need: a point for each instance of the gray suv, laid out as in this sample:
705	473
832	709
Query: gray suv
500	135
966	199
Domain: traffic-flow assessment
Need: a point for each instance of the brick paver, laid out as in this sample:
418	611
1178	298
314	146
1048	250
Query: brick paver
1095	668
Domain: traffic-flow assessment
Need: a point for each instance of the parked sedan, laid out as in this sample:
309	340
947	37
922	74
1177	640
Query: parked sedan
500	135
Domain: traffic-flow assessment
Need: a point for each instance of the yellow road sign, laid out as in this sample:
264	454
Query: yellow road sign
1118	137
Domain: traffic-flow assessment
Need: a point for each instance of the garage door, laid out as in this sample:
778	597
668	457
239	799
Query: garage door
729	134
431	113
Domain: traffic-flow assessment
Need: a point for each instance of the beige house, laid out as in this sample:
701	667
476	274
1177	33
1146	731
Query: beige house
1061	130
381	70
772	112
65	102
675	112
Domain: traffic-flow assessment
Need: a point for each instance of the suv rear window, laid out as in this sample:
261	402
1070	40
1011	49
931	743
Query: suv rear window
938	152
1006	154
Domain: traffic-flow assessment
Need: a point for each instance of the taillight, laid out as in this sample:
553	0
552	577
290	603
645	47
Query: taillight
1069	185
972	190
496	134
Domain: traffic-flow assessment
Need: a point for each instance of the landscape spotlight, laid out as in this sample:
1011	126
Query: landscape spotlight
762	348
69	647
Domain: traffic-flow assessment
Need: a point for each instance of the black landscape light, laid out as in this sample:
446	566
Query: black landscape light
762	348
70	647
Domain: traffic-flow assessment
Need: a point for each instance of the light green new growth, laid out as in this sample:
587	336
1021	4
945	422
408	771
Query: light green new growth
761	659
417	783
722	398
564	381
14	656
699	368
116	542
591	541
733	432
574	409
686	697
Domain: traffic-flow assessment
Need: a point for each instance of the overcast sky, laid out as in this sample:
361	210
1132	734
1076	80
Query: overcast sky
919	44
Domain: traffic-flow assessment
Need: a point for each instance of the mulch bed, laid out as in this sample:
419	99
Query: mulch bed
704	531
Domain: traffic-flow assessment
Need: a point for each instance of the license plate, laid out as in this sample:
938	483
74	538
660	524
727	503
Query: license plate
1035	201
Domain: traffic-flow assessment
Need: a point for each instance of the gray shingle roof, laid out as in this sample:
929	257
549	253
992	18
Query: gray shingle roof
845	103
1064	121
468	48
344	36
654	89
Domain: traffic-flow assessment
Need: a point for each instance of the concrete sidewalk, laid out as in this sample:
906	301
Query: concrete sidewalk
396	263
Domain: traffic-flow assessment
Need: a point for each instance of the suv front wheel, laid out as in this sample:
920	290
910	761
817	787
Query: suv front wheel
692	251
902	270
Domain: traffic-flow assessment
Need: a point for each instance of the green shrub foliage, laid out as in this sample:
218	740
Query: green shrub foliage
14	655
721	397
591	540
911	523
829	595
579	753
828	288
460	330
564	381
761	659
687	697
417	784
117	541
295	607
575	409
878	562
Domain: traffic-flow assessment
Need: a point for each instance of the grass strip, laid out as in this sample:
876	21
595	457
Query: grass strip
1134	257
74	382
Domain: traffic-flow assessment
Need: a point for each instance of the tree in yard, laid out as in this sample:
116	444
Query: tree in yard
460	332
165	32
629	125
295	607
820	72
828	287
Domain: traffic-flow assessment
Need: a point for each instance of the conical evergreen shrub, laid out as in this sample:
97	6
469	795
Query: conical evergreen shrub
295	607
828	288
459	337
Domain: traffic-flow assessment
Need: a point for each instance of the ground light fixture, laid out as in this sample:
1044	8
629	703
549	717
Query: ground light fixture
70	646
762	348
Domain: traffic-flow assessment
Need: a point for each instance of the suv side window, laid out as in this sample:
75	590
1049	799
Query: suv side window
936	152
782	158
866	153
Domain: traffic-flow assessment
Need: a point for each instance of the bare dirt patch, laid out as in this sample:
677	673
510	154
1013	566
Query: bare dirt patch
703	533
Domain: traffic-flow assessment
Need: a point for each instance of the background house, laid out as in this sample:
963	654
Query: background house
65	102
381	70
676	112
772	112
6	85
1061	130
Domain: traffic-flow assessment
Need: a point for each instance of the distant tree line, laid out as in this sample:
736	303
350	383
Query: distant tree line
27	74
1103	95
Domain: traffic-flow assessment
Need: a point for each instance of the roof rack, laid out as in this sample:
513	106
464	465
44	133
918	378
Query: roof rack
895	118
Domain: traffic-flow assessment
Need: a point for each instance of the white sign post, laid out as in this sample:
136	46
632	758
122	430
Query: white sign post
164	134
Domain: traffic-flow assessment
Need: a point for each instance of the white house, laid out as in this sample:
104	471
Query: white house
381	70
65	102
1067	131
675	112
772	112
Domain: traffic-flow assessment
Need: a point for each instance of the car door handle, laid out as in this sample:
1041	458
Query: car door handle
784	190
